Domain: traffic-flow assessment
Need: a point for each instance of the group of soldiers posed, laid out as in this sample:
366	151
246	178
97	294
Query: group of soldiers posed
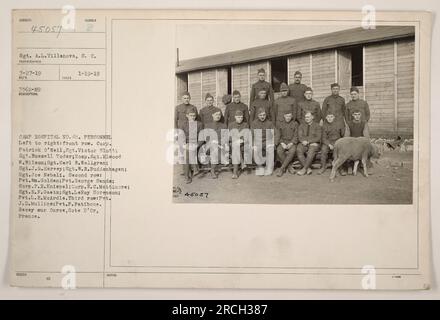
301	127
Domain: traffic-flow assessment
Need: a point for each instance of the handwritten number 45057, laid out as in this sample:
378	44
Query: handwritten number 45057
196	194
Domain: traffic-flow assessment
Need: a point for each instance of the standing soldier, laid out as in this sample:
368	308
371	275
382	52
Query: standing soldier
286	139
297	89
261	84
331	132
181	109
207	111
235	105
261	102
309	105
358	104
334	104
309	136
283	104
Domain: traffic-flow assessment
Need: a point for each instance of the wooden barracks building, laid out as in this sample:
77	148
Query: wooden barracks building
380	62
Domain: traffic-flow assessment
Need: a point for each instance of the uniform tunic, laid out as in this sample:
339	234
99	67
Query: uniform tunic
309	132
238	126
217	126
263	125
230	110
283	104
336	106
358	129
257	87
286	132
297	91
180	113
184	126
259	103
331	132
359	104
309	106
206	114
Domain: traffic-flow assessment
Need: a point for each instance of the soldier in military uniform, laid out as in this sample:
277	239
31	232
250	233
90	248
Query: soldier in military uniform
261	102
181	109
238	130
261	84
207	111
358	104
235	105
297	89
267	135
357	127
191	143
331	132
309	136
286	139
334	104
309	105
284	103
218	144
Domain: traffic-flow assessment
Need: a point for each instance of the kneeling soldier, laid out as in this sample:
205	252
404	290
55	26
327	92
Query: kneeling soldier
218	145
238	141
309	136
191	143
357	127
331	132
286	139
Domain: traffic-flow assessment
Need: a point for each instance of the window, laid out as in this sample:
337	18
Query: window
279	72
357	66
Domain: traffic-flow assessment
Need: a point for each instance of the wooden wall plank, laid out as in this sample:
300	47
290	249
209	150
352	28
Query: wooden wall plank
209	84
405	87
323	74
195	88
379	87
240	81
181	86
222	87
299	63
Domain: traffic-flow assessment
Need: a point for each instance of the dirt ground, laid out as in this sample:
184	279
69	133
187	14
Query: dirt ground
390	182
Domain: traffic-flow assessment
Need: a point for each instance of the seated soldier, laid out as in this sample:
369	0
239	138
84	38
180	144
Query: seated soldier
309	136
217	143
331	132
263	129
241	130
356	126
261	102
286	139
191	128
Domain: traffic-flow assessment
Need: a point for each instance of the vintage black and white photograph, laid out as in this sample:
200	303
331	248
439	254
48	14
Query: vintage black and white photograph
294	114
